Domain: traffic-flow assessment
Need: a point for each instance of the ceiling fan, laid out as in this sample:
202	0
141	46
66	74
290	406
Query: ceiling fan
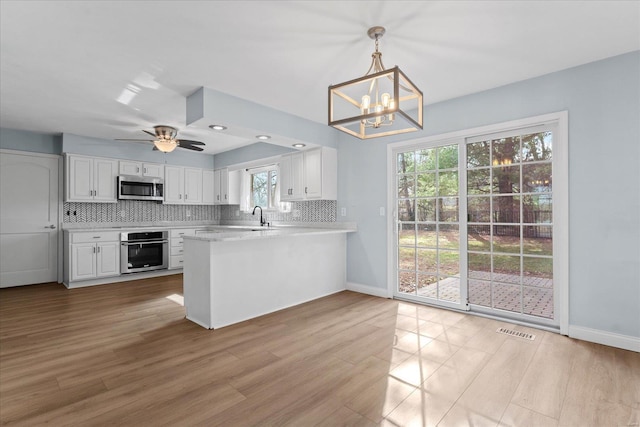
165	140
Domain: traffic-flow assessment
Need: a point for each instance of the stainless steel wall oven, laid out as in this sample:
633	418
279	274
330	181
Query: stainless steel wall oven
144	251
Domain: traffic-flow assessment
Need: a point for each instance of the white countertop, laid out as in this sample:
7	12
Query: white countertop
208	231
233	233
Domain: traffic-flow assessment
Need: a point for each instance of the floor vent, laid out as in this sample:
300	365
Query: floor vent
516	333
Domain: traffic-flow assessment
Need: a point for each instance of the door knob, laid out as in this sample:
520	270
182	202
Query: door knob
50	226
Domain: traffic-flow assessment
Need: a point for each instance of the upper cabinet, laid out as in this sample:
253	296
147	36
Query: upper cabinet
152	170
182	186
208	187
308	175
226	187
90	179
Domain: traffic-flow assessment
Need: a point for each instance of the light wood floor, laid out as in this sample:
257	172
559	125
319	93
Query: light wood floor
123	354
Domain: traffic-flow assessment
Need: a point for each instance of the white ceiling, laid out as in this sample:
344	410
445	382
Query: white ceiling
66	64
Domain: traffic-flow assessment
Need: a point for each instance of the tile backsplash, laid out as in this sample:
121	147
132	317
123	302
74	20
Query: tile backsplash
137	211
133	211
307	211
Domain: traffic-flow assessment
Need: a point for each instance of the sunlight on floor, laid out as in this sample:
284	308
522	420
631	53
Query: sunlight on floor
178	299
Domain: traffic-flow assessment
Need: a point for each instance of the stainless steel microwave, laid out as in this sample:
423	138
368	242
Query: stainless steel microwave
140	188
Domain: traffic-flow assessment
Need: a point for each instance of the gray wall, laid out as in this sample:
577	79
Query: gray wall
11	139
603	101
259	150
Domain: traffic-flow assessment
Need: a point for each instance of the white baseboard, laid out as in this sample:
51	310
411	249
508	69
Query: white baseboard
625	342
369	290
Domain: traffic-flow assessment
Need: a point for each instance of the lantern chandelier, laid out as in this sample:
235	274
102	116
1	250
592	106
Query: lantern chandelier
381	103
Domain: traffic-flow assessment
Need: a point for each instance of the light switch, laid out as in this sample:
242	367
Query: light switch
343	211
381	210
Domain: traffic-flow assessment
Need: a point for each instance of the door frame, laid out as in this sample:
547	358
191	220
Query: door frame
560	202
59	235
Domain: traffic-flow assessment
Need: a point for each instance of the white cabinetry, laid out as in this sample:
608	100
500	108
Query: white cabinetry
182	186
93	255
152	170
176	258
226	187
309	175
90	179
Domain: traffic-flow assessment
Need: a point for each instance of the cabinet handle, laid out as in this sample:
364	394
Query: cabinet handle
186	196
137	169
179	196
96	237
305	190
98	249
225	197
94	249
144	170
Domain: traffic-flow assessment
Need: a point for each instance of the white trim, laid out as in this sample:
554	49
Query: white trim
560	191
612	339
369	290
122	278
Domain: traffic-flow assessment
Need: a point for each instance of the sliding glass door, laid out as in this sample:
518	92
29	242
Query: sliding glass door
474	224
510	223
428	226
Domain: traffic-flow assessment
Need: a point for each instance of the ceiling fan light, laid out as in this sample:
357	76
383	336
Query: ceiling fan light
165	145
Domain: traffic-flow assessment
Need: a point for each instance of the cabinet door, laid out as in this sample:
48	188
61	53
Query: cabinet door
216	186
105	180
153	170
285	178
233	185
108	259
79	179
83	261
173	185
297	176
208	182
192	186
313	174
224	186
130	168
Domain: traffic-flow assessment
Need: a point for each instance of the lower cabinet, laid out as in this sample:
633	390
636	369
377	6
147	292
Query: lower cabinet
176	241
92	260
91	255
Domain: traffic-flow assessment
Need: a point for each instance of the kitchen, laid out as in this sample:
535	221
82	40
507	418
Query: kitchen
100	249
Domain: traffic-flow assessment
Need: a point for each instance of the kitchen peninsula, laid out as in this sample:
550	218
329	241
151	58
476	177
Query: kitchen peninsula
232	276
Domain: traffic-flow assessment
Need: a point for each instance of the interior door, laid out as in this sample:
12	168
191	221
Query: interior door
29	224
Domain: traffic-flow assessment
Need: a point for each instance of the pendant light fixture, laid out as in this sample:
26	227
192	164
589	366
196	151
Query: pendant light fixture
381	103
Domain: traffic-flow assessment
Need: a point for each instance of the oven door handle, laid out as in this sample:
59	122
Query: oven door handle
143	243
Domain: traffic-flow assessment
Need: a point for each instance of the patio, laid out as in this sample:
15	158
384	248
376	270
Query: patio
537	298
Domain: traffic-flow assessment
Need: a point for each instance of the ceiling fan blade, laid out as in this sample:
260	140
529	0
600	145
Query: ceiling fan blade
191	147
135	140
189	142
150	133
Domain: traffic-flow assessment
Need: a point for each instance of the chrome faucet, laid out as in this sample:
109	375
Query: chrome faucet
262	221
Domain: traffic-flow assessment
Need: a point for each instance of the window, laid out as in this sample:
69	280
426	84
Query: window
263	184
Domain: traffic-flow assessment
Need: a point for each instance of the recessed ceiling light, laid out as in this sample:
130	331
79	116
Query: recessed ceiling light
217	127
263	137
299	145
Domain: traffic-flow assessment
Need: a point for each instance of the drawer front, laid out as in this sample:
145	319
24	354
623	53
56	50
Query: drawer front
177	242
177	250
176	261
183	232
98	236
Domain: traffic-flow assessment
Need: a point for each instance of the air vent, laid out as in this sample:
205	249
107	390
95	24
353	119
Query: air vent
518	334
